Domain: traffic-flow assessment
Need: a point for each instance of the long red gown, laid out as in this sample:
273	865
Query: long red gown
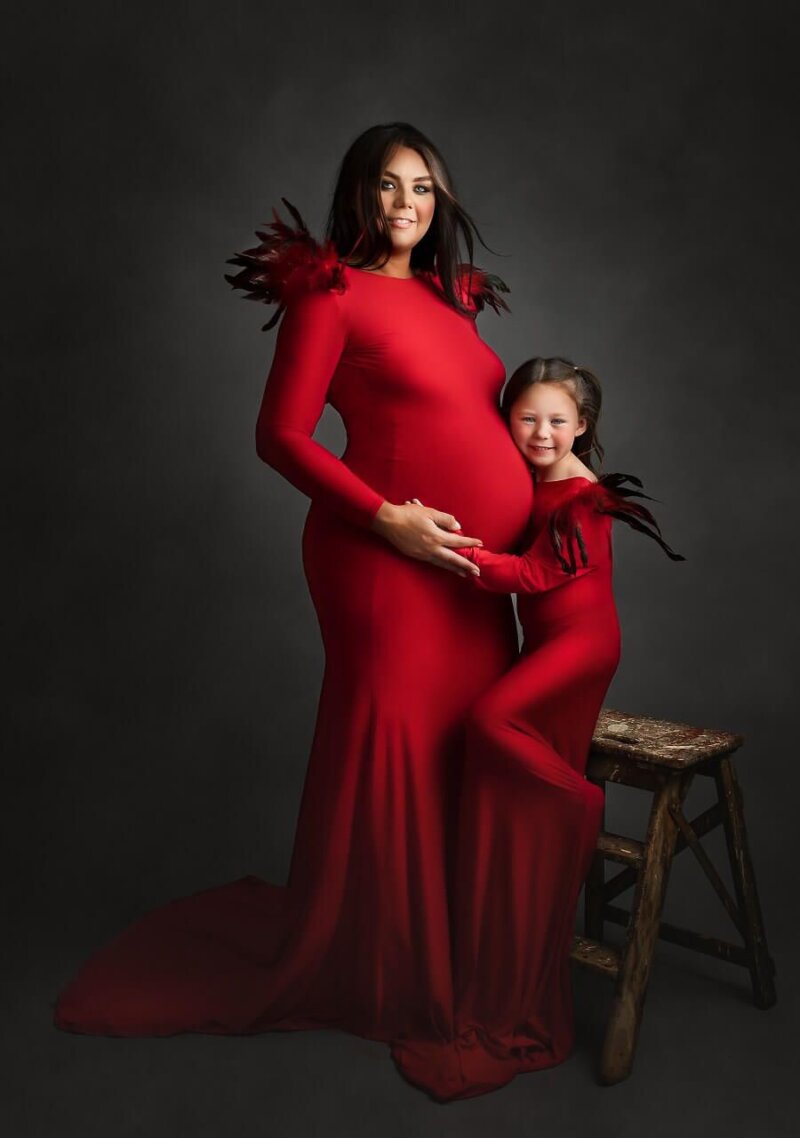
529	819
359	938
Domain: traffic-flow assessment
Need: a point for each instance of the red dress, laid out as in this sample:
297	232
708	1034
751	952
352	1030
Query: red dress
528	819
359	938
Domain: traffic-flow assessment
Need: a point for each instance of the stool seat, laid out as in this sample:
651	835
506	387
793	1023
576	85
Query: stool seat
663	757
659	742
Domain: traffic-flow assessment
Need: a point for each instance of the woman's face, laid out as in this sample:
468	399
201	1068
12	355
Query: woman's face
407	195
544	423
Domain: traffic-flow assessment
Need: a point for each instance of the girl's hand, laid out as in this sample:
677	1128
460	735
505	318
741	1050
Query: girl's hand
425	534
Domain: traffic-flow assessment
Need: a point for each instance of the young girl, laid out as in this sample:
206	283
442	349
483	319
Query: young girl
529	819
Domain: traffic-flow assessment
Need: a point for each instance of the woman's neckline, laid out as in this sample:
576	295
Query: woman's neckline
383	276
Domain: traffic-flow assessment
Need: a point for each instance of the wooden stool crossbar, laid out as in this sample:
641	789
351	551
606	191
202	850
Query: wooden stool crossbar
663	758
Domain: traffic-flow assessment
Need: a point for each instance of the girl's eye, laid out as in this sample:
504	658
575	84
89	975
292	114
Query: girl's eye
387	185
558	422
527	418
423	189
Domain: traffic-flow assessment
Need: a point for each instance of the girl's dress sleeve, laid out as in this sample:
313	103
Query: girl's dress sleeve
575	541
311	339
538	569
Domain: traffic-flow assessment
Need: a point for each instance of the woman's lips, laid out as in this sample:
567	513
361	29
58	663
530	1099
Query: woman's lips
400	222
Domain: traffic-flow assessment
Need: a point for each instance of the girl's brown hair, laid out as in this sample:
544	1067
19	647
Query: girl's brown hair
582	384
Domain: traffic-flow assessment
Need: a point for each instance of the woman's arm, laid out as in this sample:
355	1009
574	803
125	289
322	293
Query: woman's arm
310	342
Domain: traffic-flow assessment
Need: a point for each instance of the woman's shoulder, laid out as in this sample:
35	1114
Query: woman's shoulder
287	264
479	289
474	288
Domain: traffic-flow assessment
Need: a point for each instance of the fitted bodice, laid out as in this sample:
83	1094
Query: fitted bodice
417	389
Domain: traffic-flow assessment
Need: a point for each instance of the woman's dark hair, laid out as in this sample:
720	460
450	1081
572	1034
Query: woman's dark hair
582	384
357	224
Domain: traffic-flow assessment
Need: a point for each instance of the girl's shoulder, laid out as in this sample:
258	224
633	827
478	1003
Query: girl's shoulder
581	470
613	495
603	493
565	489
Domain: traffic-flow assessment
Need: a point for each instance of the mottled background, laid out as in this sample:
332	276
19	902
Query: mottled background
629	164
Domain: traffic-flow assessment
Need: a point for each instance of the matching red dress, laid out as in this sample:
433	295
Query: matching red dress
445	825
529	819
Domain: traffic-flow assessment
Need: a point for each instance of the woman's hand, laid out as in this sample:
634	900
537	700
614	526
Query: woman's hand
425	534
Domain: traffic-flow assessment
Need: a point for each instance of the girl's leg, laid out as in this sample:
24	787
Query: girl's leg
528	824
528	829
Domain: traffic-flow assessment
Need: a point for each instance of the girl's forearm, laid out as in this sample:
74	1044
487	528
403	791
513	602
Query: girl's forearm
532	572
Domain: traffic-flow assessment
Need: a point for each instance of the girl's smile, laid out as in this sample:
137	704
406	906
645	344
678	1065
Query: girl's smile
544	424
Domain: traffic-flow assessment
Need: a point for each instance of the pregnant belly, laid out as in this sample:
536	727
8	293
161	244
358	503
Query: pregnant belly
483	481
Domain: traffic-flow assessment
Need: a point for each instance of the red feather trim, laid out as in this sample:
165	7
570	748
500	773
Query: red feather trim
288	259
610	496
479	289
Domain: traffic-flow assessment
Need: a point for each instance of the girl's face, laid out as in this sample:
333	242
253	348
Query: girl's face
544	423
407	195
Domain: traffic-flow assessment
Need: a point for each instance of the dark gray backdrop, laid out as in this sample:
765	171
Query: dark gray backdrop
630	163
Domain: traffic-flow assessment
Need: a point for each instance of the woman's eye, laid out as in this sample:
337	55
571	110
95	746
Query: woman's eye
387	184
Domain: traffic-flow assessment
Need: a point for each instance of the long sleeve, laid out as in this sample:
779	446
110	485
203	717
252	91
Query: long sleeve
538	570
310	341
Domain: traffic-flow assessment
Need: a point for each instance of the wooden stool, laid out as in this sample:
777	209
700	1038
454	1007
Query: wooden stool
663	758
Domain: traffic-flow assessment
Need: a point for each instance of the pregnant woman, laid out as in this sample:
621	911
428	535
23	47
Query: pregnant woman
381	324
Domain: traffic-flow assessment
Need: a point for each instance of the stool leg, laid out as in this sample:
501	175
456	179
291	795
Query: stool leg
648	901
593	900
762	969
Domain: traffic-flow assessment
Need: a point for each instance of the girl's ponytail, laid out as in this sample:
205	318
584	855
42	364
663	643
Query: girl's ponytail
589	397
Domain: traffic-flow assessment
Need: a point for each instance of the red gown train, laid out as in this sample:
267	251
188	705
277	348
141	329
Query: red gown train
445	826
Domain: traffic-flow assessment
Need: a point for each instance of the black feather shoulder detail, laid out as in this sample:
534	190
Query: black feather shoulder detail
609	495
480	289
287	259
